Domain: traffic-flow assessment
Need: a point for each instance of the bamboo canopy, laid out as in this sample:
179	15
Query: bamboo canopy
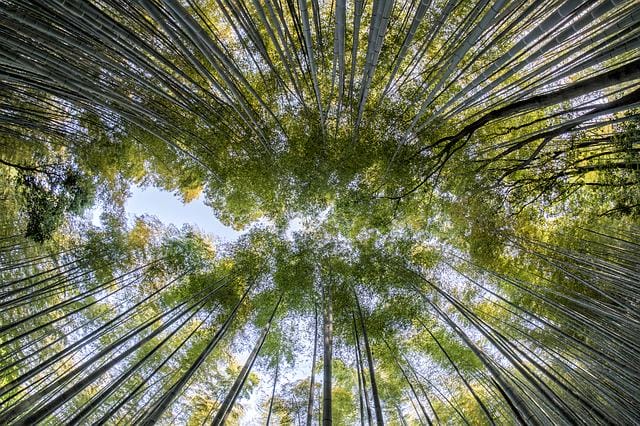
466	172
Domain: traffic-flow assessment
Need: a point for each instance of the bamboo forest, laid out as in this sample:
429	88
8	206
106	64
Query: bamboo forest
435	207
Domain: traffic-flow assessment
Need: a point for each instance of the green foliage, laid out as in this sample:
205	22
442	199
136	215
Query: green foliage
50	192
188	251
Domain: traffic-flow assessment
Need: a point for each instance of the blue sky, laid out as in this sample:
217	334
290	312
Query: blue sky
170	209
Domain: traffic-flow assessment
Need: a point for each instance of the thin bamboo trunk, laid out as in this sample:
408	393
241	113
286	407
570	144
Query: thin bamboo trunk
232	396
327	329
372	374
313	367
273	391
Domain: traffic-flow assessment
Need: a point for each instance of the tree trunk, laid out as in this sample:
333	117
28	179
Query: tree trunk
167	398
229	401
411	387
361	372
403	422
273	391
144	383
313	365
372	374
48	408
327	330
95	402
360	387
455	367
622	74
